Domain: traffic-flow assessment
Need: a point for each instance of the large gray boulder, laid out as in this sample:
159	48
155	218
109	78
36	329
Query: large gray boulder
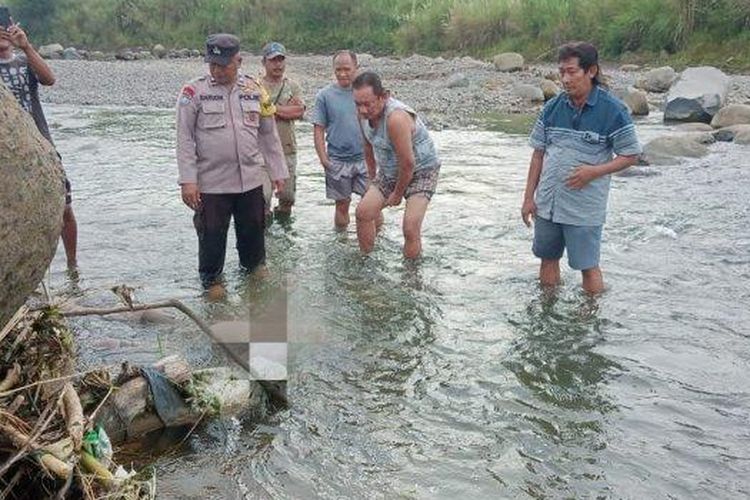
51	51
667	150
694	127
743	136
457	80
657	80
528	92
32	198
697	96
734	114
508	61
636	100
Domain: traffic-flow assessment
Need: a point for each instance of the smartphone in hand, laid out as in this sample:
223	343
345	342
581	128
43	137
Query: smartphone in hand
5	21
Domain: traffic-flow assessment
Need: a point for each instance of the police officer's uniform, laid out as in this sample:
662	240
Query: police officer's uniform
226	138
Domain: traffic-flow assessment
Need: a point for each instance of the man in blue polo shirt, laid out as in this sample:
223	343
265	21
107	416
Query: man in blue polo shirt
582	136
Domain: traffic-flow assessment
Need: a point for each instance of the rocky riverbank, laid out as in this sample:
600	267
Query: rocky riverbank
450	93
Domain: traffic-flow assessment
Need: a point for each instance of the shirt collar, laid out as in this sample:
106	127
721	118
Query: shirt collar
591	99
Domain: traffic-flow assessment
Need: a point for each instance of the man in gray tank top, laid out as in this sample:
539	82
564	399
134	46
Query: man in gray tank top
401	159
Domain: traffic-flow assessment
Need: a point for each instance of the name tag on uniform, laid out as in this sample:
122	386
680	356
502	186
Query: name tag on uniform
211	97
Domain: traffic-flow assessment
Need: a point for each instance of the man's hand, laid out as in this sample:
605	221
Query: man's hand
582	175
278	186
393	200
190	195
528	211
18	37
326	163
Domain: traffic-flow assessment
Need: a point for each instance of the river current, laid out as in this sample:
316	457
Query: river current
454	377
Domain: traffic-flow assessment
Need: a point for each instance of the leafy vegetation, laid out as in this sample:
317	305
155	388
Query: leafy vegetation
689	31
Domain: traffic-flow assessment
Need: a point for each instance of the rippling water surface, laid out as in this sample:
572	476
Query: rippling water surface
455	377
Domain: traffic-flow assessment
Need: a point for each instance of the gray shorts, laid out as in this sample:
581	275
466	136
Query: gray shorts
423	182
344	178
583	243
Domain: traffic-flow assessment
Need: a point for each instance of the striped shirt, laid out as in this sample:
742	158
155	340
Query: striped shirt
571	137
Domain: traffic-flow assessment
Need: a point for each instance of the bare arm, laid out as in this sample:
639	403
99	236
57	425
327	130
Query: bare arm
40	68
319	137
294	110
400	131
528	209
270	145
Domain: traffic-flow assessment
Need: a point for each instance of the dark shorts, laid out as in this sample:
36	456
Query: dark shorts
423	182
582	243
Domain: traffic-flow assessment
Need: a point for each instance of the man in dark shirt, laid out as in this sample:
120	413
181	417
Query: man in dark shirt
22	74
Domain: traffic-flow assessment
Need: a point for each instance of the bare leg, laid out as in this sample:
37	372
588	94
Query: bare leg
416	207
341	217
549	273
593	282
368	212
70	236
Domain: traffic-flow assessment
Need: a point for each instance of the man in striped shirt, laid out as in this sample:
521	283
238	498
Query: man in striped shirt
582	136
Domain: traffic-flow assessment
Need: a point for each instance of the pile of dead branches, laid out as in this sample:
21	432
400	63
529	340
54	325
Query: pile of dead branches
46	413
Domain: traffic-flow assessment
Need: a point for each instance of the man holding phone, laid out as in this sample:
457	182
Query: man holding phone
22	74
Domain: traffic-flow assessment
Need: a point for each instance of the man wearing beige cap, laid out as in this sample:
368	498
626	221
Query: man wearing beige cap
286	95
226	141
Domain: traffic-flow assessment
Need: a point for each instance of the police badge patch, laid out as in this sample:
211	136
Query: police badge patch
187	94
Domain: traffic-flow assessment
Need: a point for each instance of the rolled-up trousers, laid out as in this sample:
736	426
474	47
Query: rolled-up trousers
211	222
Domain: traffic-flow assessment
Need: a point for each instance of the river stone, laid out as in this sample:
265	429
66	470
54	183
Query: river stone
528	92
729	134
457	80
71	54
125	55
549	89
195	53
666	150
734	114
97	55
636	101
657	80
51	51
743	136
159	51
694	127
697	96
32	199
508	61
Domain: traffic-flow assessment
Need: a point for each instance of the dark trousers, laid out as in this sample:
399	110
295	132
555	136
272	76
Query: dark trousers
211	222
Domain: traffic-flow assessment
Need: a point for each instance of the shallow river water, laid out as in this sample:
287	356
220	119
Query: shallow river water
455	377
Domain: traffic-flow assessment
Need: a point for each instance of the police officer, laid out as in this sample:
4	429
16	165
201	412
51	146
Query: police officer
226	137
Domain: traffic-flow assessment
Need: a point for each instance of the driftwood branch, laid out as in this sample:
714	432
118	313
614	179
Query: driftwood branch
271	389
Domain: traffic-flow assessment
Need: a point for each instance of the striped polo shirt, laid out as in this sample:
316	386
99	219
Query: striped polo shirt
571	137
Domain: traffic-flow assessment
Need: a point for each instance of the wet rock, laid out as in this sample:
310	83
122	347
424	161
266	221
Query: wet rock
508	61
657	80
31	204
729	134
457	80
51	51
743	136
697	96
630	67
528	92
549	89
159	51
667	150
734	114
